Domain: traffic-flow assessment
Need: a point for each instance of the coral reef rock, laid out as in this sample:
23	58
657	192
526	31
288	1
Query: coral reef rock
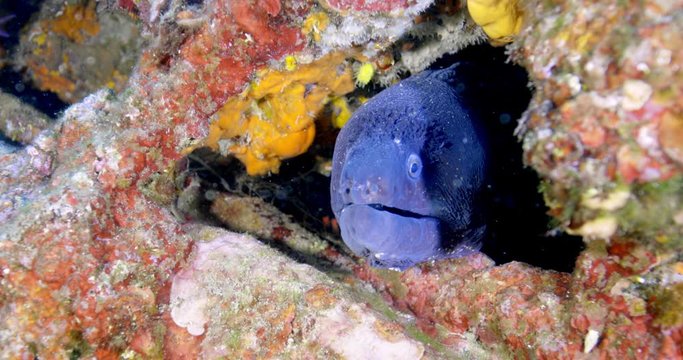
74	48
100	257
247	299
20	122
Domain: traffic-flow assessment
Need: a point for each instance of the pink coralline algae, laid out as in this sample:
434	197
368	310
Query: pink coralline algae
367	5
604	125
86	258
235	285
95	254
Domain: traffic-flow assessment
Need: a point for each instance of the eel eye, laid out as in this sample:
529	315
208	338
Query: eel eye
414	166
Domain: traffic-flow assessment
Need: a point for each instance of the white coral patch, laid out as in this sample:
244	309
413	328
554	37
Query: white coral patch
647	139
189	297
594	199
600	228
352	333
82	180
678	218
188	301
590	340
635	94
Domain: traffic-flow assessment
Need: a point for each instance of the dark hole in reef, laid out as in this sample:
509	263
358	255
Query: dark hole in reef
21	12
8	145
518	224
297	190
47	102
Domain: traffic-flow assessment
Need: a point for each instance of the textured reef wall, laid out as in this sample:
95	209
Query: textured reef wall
102	252
73	50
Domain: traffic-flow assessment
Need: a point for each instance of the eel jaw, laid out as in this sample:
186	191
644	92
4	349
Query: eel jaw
397	211
390	237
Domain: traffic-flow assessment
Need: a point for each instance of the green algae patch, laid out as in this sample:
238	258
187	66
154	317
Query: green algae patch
398	289
653	216
160	187
668	305
414	332
77	347
379	305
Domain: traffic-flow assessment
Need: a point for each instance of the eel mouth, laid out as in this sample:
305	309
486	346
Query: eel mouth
390	237
392	210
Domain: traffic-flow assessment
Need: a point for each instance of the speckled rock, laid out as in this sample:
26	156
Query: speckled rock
603	128
247	300
72	48
20	122
96	256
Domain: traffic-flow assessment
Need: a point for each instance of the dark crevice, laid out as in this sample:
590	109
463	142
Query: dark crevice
14	83
297	191
518	224
22	10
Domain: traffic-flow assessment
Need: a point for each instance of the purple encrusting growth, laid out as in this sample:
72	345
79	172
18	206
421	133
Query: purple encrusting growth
4	20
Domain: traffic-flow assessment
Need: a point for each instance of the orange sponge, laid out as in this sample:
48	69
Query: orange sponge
274	118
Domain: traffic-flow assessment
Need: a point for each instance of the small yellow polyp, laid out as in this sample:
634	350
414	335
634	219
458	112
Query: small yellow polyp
501	20
364	74
315	24
340	112
290	63
274	118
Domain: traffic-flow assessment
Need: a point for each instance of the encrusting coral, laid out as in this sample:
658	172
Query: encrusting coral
227	291
315	24
273	119
77	22
444	29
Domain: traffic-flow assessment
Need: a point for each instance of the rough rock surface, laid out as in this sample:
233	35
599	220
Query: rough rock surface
18	121
72	48
247	300
97	261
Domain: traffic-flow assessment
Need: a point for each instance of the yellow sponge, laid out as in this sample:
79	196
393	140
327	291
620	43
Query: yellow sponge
500	19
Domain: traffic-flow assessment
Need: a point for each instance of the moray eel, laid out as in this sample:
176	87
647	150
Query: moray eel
409	171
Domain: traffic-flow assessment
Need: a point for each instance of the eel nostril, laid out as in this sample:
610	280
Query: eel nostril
374	188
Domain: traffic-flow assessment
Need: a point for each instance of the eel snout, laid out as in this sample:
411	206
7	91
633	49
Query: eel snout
389	237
